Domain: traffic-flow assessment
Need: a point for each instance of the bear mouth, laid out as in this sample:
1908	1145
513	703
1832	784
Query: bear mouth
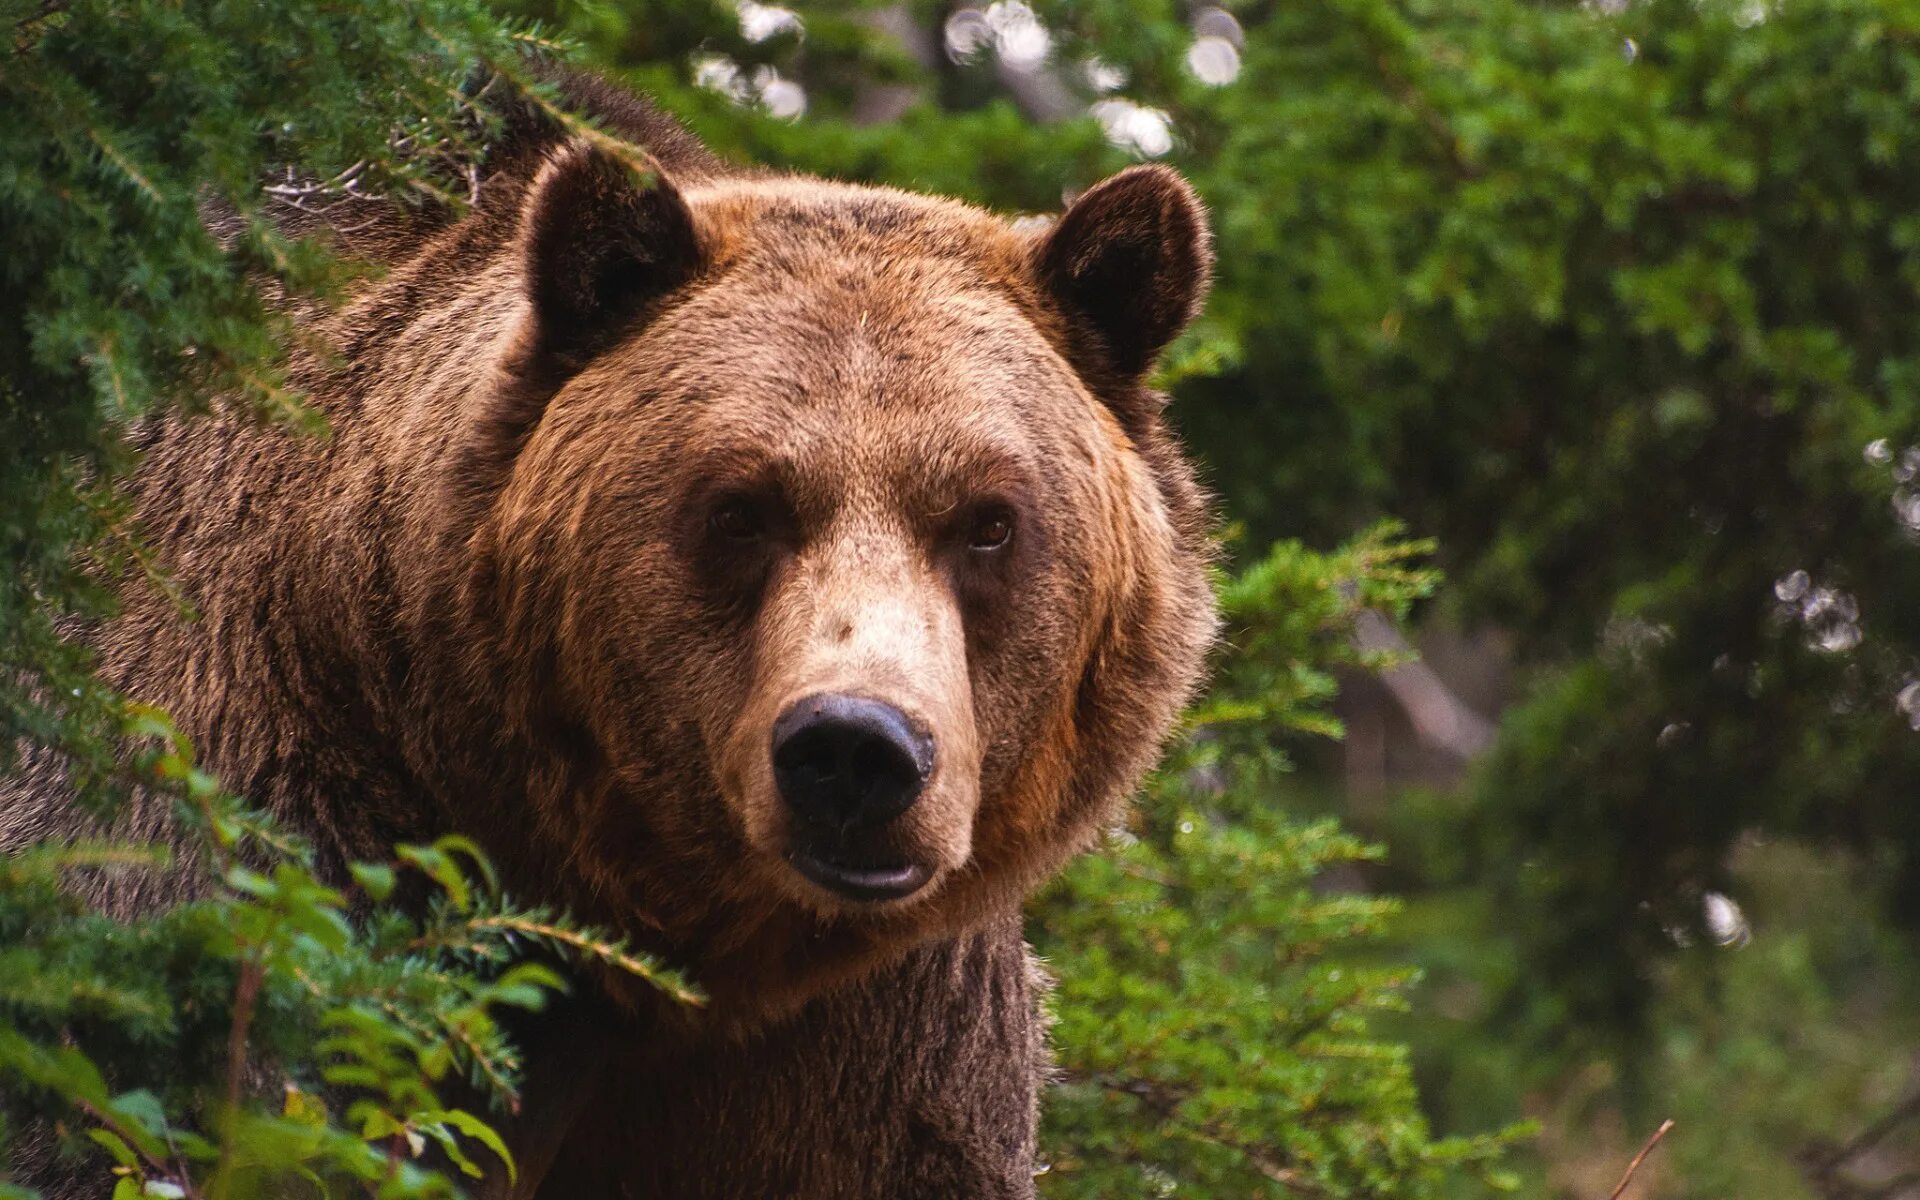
866	882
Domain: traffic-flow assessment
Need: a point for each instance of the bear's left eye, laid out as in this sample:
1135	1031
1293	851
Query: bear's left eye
992	529
737	520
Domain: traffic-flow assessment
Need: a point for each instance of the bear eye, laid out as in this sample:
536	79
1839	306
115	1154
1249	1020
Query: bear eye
992	529
737	520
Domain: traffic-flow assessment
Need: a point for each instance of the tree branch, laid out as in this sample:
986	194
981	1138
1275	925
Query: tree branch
1620	1189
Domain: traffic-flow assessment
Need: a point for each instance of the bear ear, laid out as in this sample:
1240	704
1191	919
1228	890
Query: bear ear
1133	258
603	237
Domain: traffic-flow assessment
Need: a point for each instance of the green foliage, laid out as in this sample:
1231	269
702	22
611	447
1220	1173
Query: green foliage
1604	301
278	1032
1212	1014
1607	297
129	123
189	1050
279	1029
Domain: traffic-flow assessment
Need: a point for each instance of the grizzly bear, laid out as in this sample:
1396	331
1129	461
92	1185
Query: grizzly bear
785	573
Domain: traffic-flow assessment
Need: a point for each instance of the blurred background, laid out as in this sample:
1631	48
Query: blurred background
1561	389
1616	303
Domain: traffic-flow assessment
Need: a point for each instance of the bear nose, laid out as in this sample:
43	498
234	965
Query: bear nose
847	763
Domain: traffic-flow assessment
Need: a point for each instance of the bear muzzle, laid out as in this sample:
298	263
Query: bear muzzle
847	768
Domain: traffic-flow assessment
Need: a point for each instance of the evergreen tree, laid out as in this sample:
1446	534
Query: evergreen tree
130	1047
142	1046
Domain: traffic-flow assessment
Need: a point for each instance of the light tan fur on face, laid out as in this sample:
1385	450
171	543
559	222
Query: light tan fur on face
884	359
862	615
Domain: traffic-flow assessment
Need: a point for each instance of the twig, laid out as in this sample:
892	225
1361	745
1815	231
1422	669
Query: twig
163	1169
1897	1186
1905	1111
45	10
246	993
116	531
1620	1189
1408	93
1440	718
23	33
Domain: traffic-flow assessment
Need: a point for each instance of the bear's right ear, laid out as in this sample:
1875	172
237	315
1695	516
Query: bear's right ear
601	241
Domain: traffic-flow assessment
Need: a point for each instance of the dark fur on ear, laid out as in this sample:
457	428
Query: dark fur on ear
1133	258
602	241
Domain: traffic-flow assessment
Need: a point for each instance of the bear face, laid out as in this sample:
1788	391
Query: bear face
836	529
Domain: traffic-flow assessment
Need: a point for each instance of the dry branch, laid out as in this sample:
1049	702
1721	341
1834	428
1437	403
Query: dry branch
1620	1189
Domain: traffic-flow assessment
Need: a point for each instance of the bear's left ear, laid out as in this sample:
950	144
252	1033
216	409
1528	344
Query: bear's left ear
1132	257
602	238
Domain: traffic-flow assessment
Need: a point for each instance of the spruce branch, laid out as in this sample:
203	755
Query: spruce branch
582	942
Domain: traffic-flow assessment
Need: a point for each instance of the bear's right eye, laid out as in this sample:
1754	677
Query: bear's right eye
992	529
737	520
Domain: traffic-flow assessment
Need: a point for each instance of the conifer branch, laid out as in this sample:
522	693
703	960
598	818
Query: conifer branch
612	952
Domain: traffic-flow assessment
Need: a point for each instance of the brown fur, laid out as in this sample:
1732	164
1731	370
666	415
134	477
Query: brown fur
494	600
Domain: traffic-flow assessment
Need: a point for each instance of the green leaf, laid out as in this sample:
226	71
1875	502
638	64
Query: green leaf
116	1146
375	879
476	1129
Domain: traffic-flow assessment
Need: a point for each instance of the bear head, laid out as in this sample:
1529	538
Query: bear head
827	550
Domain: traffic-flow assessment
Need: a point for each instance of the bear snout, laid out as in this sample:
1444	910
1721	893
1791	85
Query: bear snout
845	768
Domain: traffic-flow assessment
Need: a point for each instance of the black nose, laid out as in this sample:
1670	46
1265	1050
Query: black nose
843	763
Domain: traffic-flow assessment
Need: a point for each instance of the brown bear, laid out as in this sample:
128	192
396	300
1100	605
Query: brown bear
785	573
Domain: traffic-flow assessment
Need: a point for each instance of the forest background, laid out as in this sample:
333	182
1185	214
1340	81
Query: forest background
1611	305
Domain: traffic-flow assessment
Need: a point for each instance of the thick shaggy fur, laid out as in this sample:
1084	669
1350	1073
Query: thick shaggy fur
497	600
